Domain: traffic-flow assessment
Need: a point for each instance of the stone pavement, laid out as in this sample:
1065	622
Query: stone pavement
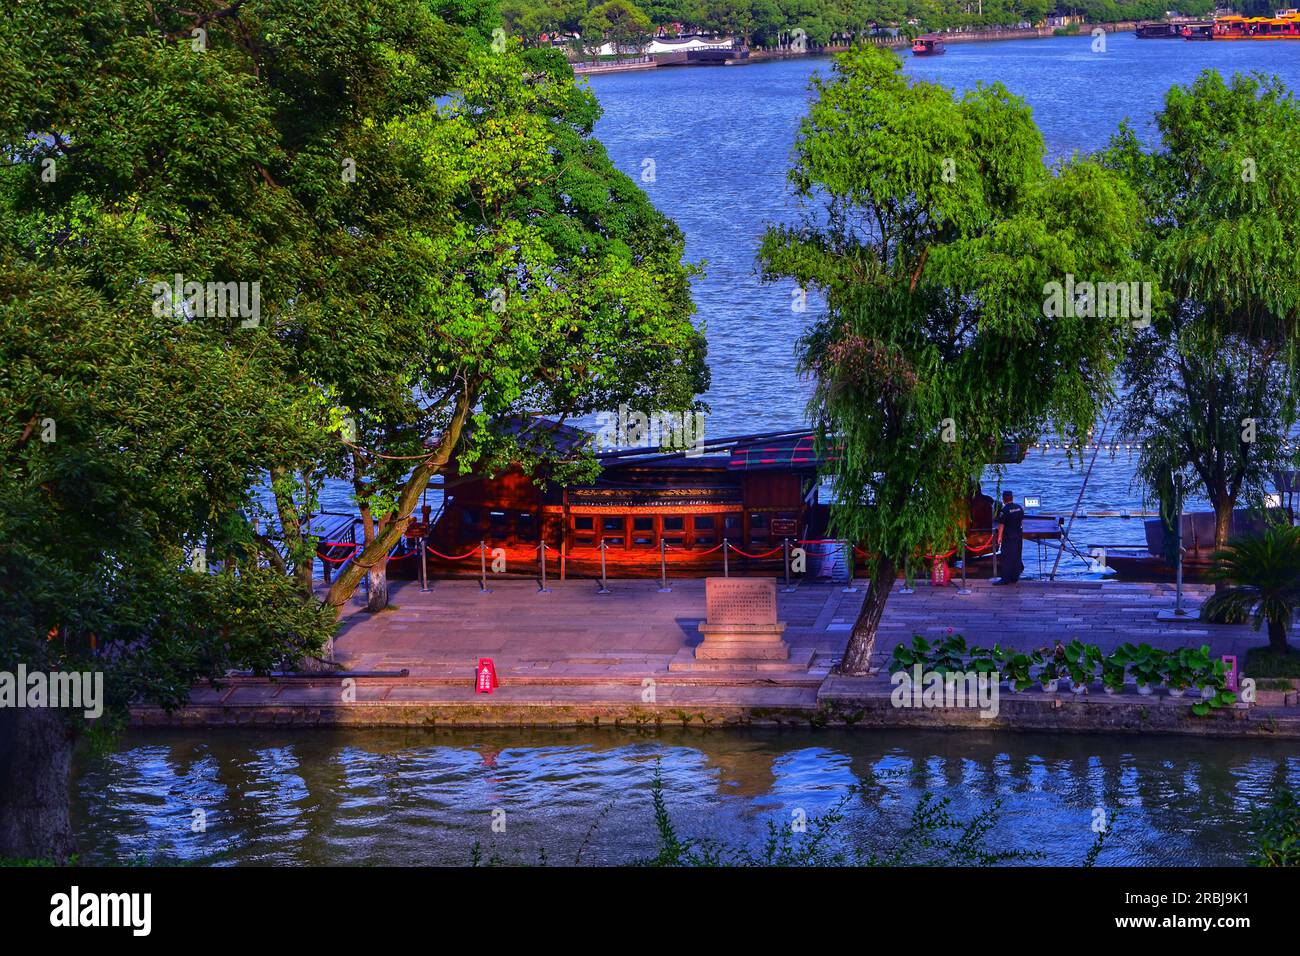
635	631
575	656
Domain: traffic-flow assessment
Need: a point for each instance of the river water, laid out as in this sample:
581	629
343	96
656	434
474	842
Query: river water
285	797
720	140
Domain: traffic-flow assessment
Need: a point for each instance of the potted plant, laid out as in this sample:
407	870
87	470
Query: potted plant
907	656
1113	668
1147	665
1179	671
1081	663
1053	666
1016	668
986	660
949	654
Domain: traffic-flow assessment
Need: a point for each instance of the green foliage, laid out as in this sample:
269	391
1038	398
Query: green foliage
933	230
1277	831
1212	381
1263	577
618	22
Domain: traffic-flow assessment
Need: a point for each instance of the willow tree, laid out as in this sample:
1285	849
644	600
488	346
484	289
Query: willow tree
934	232
1212	382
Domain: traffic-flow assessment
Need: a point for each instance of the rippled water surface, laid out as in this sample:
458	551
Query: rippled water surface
425	797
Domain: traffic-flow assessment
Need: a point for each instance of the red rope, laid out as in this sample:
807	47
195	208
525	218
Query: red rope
459	557
766	554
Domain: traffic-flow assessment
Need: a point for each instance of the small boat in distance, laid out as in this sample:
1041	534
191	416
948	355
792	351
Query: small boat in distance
1159	30
928	46
1201	30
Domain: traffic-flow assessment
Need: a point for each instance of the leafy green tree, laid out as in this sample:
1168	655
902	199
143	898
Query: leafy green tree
934	230
1212	381
557	288
618	22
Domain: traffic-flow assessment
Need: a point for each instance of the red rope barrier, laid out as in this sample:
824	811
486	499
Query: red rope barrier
766	554
326	557
448	557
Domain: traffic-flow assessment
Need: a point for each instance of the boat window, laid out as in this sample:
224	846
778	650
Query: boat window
704	539
525	522
497	519
470	515
731	522
674	523
586	542
614	542
757	520
645	523
643	540
704	522
674	542
613	524
584	523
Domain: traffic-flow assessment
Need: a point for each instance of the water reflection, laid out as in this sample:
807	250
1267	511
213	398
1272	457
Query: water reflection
380	797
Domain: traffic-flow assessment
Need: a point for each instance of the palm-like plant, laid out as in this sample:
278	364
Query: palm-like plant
1263	572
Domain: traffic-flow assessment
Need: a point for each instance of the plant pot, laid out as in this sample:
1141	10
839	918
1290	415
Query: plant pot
1176	691
1208	692
1110	690
1049	686
1079	687
1144	690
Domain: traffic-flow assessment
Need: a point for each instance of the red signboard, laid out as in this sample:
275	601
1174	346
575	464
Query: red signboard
485	680
941	574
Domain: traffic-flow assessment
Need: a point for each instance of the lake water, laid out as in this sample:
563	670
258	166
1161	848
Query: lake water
287	797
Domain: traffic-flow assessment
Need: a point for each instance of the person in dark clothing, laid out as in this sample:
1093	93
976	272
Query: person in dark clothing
1011	517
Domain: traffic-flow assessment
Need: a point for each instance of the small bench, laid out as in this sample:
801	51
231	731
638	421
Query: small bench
741	621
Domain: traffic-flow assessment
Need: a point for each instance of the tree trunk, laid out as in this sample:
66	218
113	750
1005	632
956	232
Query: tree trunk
1222	521
1277	637
857	656
378	598
35	784
407	500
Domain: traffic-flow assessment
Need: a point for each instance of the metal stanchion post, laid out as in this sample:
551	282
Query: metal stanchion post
541	557
482	568
663	568
604	587
907	574
424	567
963	589
785	555
726	567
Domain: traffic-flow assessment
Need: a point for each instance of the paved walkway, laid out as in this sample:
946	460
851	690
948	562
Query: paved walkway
635	631
573	654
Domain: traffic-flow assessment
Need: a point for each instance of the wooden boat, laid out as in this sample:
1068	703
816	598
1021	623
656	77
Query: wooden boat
1198	31
928	46
1197	528
735	503
1160	30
